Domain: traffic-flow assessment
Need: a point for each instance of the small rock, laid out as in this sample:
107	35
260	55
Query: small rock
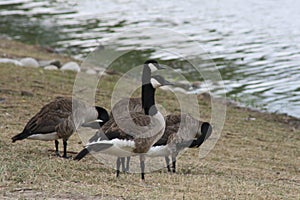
2	100
73	66
184	84
29	62
45	63
26	93
99	69
91	71
196	84
51	67
180	90
11	61
102	73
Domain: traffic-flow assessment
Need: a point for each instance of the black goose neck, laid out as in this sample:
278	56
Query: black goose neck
148	100
148	93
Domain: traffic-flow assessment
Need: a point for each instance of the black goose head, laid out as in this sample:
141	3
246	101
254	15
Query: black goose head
102	118
153	65
103	115
150	66
206	130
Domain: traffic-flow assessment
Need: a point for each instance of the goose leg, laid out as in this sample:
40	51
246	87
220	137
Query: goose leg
65	149
174	163
56	148
142	165
127	164
168	163
118	166
123	164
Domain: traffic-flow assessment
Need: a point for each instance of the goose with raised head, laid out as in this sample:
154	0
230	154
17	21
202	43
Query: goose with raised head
121	108
135	134
59	119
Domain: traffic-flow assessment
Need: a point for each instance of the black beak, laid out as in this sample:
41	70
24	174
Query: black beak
159	67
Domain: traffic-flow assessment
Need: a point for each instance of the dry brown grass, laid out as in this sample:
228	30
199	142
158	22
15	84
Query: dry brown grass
253	159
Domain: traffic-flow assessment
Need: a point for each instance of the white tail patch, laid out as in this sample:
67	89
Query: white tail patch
45	137
158	151
120	148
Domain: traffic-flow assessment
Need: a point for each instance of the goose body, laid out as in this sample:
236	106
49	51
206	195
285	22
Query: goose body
124	136
186	133
132	135
56	120
135	134
180	129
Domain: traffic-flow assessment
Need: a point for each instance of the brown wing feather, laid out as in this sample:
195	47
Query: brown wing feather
126	124
172	119
49	116
141	128
179	128
127	105
66	128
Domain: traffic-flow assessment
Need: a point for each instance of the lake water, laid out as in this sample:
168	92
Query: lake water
254	44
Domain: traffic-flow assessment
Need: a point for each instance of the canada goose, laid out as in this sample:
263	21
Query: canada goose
123	138
182	131
56	120
120	108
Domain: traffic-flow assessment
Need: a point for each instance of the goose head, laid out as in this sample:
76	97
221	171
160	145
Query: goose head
102	118
205	132
103	115
153	65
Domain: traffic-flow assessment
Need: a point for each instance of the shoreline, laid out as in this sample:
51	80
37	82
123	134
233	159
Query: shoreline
256	157
43	53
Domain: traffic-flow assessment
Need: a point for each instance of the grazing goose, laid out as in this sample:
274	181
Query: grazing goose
56	120
122	138
188	132
182	131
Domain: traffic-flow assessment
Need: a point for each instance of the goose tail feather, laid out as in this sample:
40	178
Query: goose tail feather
93	147
20	136
81	154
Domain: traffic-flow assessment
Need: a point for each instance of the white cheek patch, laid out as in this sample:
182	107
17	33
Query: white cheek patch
155	83
152	67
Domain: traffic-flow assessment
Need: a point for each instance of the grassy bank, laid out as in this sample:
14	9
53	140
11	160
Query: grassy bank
256	157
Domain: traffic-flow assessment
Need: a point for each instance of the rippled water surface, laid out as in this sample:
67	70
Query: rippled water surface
254	44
